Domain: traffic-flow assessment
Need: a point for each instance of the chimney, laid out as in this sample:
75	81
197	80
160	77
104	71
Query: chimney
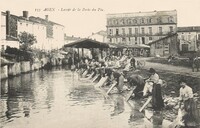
46	17
8	23
25	14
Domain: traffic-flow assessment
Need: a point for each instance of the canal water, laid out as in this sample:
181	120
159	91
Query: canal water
57	98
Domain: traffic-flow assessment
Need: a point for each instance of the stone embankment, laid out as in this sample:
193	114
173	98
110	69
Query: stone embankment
17	68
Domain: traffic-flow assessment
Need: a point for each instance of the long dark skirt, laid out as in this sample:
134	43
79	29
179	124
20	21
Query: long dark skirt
191	119
157	100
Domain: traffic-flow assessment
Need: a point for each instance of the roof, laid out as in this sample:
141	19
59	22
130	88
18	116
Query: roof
43	21
103	33
87	43
135	14
71	38
34	19
189	29
123	45
175	34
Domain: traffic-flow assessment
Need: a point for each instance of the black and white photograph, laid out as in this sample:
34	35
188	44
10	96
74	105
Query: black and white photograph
100	64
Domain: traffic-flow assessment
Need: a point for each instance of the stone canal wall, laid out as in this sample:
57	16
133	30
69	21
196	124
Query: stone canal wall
25	67
14	69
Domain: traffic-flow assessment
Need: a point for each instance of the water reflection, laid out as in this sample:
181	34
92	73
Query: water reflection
118	105
58	98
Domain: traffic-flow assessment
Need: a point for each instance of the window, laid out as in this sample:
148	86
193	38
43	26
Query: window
26	24
159	20
170	19
142	30
129	21
117	31
123	31
110	31
198	37
123	39
150	38
136	30
150	30
142	20
135	21
135	40
171	29
20	23
189	37
111	40
143	40
130	30
122	21
160	30
182	37
129	39
115	22
150	20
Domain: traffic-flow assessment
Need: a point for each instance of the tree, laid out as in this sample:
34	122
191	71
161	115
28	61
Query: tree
26	40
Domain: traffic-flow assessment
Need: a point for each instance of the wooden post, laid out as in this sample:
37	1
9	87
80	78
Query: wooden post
82	52
101	53
78	54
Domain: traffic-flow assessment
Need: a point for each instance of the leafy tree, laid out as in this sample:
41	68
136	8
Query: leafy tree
26	40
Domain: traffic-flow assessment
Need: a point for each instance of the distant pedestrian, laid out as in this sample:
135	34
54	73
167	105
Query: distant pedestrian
195	63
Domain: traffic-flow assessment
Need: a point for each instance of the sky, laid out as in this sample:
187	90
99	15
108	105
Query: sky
81	18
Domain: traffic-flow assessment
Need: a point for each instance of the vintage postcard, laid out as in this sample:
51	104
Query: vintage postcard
100	64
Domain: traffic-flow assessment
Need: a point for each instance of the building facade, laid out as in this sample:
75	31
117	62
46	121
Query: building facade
100	36
49	35
165	46
6	40
189	38
140	27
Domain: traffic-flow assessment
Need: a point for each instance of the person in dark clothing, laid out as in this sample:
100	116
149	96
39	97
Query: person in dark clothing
119	79
157	100
195	63
133	62
138	81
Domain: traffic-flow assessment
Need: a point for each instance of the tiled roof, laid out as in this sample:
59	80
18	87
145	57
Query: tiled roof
162	38
189	29
42	21
135	14
72	38
34	19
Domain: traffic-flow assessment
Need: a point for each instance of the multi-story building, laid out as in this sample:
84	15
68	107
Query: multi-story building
49	35
189	38
100	36
70	39
54	32
140	27
4	39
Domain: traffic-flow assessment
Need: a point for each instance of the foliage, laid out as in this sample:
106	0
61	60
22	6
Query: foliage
19	55
26	40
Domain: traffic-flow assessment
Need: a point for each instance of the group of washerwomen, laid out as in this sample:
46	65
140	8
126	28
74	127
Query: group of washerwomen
150	86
